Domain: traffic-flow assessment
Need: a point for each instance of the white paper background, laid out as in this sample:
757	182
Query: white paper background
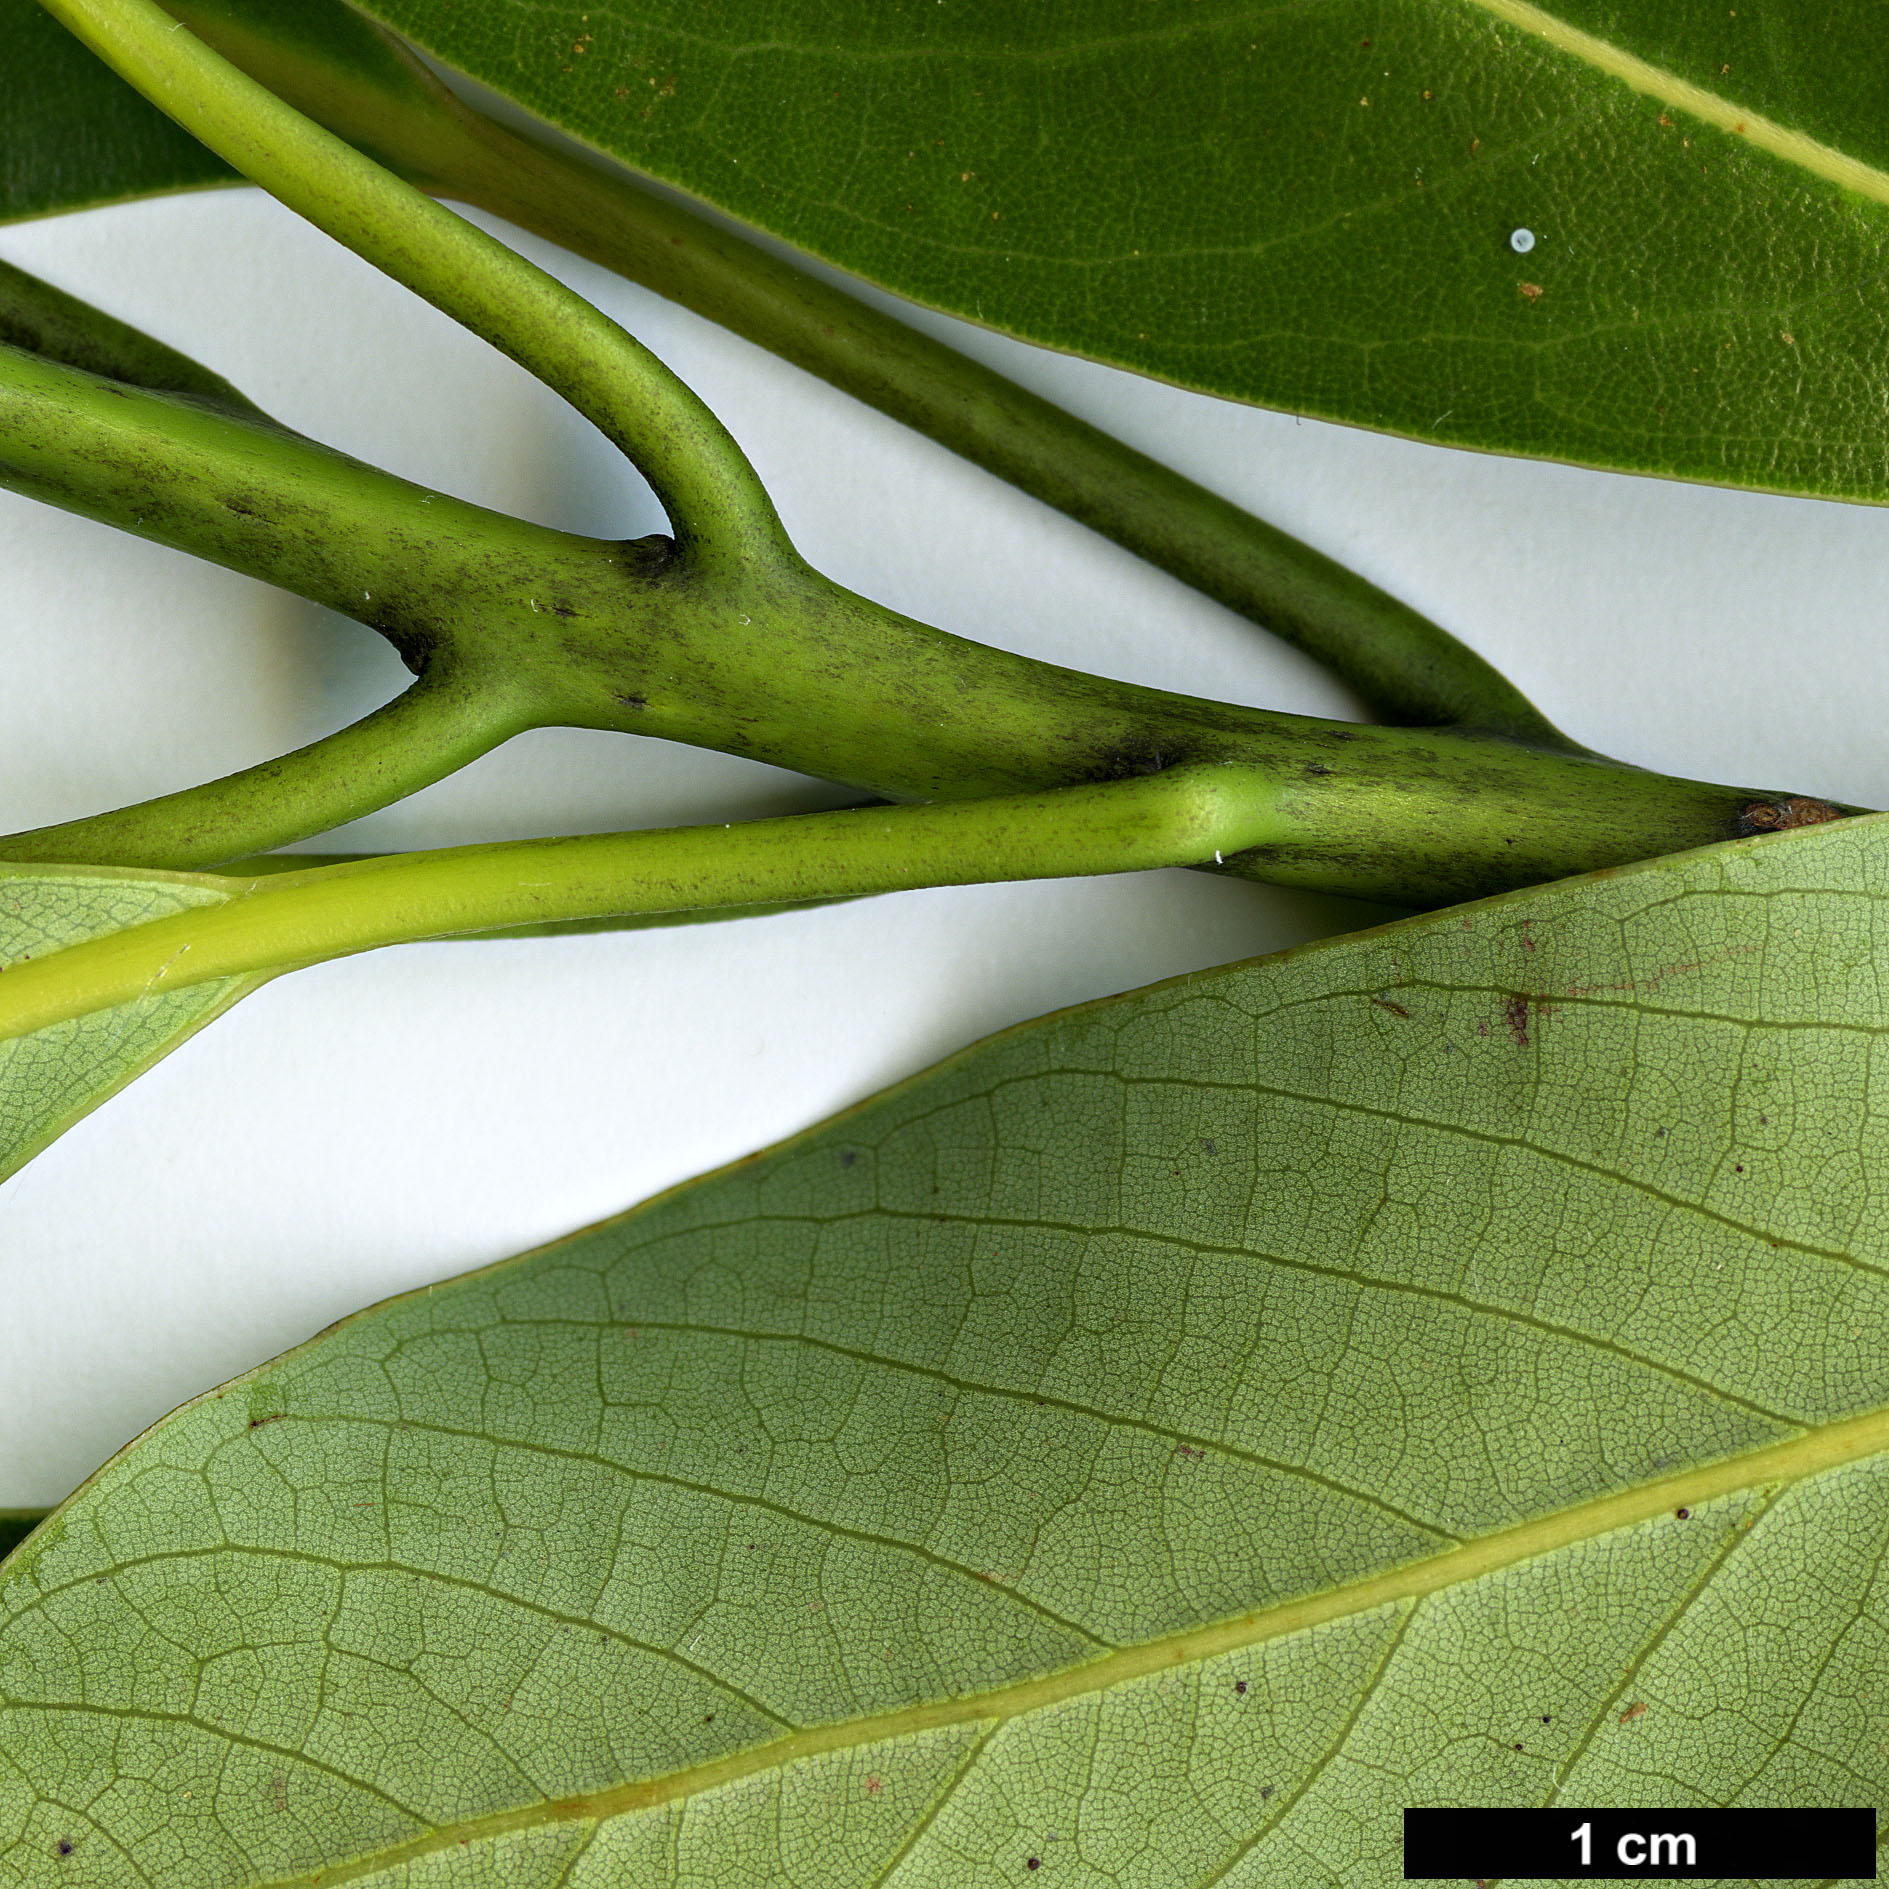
373	1125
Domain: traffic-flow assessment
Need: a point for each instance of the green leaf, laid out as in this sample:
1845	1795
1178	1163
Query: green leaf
1445	1365
48	1080
73	135
1310	207
1307	207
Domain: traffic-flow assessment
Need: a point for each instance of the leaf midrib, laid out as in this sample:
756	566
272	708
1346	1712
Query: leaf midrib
1829	1446
1639	75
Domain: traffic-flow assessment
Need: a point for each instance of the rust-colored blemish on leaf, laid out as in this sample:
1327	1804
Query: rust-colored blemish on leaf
1515	1014
1396	1010
1636	1710
1777	816
1531	291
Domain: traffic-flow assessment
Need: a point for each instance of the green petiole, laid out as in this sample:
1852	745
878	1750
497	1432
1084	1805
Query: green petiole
283	921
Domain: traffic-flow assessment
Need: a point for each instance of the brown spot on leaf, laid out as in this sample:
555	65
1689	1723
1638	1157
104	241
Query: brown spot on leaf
1777	816
1396	1010
1636	1710
1515	1014
1531	291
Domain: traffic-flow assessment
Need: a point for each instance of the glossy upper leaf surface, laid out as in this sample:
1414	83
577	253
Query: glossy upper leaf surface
53	1077
72	135
1447	1365
1309	207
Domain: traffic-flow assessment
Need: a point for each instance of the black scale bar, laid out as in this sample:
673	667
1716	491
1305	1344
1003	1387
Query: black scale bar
1514	1846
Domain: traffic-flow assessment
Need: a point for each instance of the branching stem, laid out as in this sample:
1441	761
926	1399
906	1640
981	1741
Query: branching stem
770	661
726	639
380	97
699	475
522	627
420	737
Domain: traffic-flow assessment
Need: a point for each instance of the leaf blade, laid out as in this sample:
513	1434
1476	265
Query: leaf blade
73	136
1336	244
55	1077
1207	1420
1310	209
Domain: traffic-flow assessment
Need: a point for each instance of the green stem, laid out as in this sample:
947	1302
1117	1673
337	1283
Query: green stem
425	570
44	320
774	662
16	1525
1411	671
265	865
714	501
431	731
279	922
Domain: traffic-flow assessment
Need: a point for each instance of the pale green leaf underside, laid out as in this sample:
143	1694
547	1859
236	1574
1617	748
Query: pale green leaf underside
1163	1441
48	1080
